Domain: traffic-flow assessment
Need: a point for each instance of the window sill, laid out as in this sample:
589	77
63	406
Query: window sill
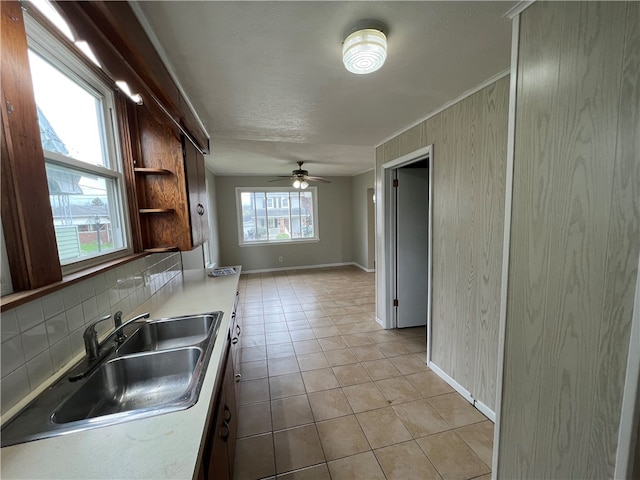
282	242
13	300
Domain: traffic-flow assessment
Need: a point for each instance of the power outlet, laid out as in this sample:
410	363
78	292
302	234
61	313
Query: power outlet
280	259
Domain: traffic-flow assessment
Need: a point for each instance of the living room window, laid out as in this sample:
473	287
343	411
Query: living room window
276	215
75	111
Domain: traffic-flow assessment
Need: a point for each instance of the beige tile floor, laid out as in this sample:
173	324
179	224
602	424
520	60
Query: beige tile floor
326	393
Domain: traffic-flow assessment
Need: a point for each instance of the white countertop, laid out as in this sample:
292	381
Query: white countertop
161	447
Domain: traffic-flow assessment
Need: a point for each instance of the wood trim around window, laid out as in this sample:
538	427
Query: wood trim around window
26	212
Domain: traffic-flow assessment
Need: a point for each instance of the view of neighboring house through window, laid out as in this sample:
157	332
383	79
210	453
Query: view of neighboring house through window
75	111
270	215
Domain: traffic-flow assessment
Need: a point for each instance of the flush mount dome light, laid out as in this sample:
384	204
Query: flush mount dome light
364	51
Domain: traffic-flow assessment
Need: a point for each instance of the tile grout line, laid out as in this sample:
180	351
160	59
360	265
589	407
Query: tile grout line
360	362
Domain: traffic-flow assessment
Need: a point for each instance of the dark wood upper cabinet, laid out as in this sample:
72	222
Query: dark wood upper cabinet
196	186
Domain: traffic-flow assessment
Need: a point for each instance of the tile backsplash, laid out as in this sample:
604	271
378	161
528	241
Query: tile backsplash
42	336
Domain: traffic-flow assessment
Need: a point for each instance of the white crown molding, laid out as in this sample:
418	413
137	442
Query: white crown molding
449	104
518	8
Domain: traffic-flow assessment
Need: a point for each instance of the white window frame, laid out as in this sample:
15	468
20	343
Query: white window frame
42	42
239	217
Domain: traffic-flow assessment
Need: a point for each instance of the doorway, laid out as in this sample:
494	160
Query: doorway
371	230
407	189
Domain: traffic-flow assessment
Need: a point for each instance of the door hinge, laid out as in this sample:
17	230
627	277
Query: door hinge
395	302
395	183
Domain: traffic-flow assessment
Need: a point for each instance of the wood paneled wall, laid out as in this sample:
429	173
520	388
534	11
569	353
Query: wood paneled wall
26	212
469	165
575	239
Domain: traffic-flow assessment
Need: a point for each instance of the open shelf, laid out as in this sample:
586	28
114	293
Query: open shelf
156	210
161	249
152	171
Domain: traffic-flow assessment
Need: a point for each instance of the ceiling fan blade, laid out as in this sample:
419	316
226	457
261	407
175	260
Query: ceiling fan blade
280	179
318	179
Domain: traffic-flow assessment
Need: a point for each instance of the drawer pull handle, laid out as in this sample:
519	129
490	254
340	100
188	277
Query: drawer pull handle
200	209
234	340
238	329
238	377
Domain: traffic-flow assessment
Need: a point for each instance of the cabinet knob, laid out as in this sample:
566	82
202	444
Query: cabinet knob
200	209
234	340
238	329
225	432
238	377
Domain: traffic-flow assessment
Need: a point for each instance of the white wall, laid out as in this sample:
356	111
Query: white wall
214	237
334	222
360	221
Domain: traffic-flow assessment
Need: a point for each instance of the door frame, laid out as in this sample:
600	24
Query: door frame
388	245
630	414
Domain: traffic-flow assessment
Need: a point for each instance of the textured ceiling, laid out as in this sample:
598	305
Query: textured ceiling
267	80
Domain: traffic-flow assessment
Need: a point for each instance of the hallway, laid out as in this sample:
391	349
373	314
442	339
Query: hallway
326	393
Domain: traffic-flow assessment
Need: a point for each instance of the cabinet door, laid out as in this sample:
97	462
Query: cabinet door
223	436
219	455
236	351
230	414
197	192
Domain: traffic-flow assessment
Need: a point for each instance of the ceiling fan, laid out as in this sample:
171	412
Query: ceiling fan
300	178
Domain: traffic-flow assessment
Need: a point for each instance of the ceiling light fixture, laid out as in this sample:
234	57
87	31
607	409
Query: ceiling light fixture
297	183
364	51
122	85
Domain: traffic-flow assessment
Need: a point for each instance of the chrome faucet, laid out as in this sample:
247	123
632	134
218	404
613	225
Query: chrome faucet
92	346
90	336
119	331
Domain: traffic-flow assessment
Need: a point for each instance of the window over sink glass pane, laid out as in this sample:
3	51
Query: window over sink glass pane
84	175
276	215
70	116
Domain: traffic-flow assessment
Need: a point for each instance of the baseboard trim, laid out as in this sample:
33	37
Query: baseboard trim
302	267
466	394
455	385
368	270
379	321
490	414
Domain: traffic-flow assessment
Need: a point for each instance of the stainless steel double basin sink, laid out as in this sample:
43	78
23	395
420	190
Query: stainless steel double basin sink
159	368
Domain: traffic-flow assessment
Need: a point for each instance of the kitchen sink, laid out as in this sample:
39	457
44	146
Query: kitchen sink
159	368
168	333
138	382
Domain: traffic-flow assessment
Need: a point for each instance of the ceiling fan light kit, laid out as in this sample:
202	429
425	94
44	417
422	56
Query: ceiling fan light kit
364	51
300	178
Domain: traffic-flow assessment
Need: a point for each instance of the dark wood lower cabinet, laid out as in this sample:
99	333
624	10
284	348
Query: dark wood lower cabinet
220	446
